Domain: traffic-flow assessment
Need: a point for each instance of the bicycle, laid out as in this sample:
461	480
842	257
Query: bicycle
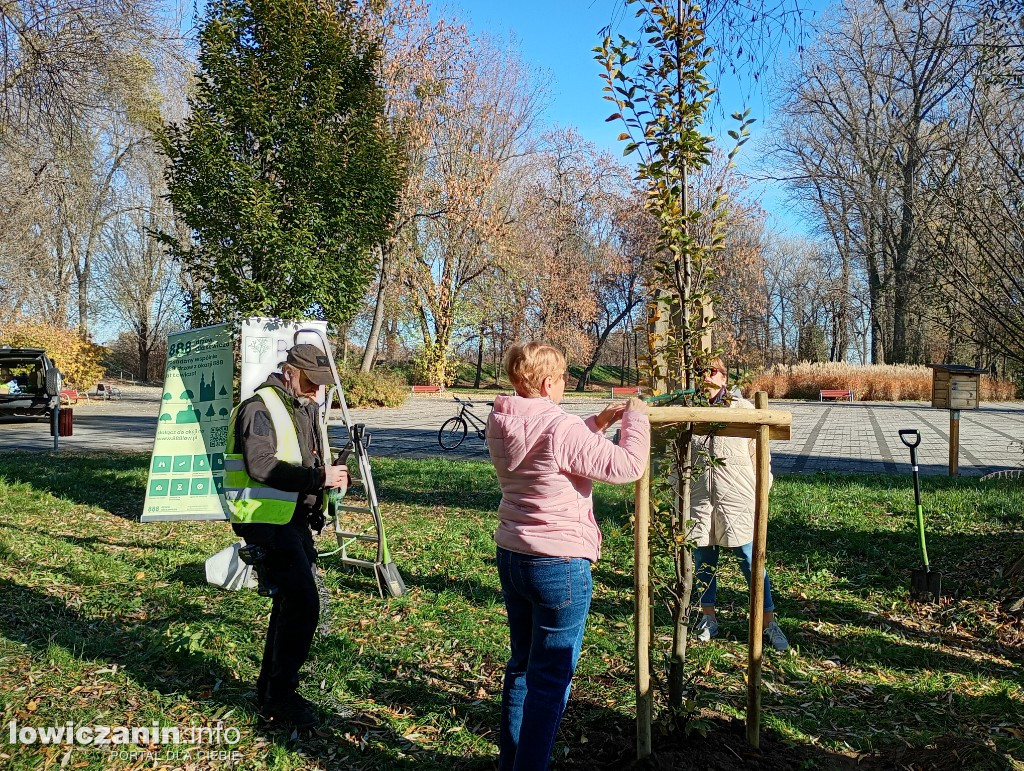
453	431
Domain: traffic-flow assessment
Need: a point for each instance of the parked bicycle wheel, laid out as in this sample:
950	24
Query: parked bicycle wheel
452	432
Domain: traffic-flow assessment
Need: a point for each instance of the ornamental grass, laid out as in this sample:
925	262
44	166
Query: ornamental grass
871	382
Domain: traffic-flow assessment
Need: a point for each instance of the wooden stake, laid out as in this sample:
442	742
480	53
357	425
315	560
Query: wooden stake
954	443
642	615
755	641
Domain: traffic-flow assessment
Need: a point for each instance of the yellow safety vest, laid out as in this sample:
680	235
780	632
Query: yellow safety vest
251	501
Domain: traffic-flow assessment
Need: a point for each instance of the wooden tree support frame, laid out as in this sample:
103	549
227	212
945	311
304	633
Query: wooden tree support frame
762	425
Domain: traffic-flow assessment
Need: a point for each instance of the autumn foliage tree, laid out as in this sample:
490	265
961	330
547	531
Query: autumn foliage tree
484	124
79	361
419	62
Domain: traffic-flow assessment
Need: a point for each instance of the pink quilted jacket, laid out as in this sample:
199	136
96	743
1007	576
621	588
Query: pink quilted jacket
547	461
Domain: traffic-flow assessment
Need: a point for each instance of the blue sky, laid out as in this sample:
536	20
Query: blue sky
557	36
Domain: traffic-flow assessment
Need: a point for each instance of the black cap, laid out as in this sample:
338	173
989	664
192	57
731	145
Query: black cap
313	361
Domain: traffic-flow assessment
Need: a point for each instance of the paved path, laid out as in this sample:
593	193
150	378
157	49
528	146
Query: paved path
826	437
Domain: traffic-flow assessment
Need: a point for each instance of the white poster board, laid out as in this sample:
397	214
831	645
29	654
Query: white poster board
265	343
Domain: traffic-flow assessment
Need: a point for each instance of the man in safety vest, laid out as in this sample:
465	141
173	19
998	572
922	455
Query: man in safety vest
277	465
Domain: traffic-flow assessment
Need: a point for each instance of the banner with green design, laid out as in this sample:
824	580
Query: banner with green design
187	468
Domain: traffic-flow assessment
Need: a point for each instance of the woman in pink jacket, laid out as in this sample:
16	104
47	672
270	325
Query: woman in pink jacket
547	537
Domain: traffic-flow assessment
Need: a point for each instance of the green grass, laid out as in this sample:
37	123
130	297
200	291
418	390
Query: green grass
107	621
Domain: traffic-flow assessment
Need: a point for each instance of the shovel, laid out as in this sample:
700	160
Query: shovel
388	577
925	583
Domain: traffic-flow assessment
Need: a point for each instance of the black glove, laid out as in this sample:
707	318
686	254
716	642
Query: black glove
316	521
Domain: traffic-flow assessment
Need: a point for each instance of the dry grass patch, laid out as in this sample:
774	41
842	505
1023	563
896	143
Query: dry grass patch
874	382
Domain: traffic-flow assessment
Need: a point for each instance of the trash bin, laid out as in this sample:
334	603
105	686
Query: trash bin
65	422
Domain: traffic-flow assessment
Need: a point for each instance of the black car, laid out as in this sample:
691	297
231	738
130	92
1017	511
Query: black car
29	382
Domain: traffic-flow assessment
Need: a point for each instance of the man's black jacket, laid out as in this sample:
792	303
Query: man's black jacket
255	436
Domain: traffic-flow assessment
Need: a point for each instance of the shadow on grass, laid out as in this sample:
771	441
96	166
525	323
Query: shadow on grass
89	540
954	641
39	620
893	727
469	588
144	652
114	482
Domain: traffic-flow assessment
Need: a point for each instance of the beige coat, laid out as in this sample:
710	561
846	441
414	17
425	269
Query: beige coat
722	502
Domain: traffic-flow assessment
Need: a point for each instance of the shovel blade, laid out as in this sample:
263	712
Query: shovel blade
389	580
925	585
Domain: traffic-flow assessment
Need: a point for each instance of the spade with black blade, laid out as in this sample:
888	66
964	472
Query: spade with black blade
925	583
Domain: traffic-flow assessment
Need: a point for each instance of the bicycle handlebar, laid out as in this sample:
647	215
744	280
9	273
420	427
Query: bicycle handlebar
470	402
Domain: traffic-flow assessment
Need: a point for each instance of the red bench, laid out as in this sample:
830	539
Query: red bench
69	396
625	391
835	393
426	389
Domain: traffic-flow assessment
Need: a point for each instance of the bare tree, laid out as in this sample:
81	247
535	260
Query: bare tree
139	278
59	59
79	87
867	134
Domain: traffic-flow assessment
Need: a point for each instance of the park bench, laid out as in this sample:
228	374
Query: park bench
625	391
835	393
69	396
104	391
426	389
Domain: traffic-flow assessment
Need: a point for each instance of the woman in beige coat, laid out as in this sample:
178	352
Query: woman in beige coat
722	512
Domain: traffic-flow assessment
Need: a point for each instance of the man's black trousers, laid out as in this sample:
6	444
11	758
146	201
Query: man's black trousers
290	557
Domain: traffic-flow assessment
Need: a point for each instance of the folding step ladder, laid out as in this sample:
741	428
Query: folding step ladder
389	579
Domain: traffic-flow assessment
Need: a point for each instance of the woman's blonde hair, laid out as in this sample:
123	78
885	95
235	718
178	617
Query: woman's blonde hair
527	364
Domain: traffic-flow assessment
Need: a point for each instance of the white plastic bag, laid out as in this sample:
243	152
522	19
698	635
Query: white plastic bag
226	569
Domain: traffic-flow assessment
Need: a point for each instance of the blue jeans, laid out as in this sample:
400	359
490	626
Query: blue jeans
705	565
547	599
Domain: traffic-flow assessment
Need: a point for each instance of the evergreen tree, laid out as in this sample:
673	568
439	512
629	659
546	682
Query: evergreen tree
285	171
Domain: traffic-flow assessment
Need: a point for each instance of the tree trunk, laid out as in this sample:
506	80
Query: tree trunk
83	300
876	313
900	316
623	359
144	346
496	359
391	338
370	353
782	329
843	320
683	559
479	359
584	381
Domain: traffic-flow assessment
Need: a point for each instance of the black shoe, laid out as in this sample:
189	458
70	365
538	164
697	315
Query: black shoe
261	692
291	709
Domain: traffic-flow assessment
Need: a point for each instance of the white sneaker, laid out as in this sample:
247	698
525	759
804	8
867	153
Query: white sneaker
775	637
706	628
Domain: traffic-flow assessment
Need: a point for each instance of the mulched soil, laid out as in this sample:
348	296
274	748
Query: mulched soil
610	745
